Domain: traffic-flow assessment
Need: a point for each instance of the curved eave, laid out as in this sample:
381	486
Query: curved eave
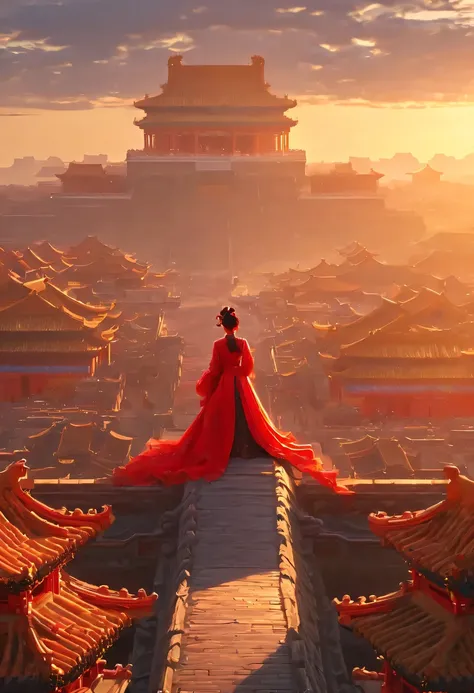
146	123
162	102
106	598
97	522
381	524
348	609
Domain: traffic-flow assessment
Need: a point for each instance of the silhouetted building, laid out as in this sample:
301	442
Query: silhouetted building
343	179
90	178
425	177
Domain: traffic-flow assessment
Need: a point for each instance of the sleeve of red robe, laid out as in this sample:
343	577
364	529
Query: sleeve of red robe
246	367
208	381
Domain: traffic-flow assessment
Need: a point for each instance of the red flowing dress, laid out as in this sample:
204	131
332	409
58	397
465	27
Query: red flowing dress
204	450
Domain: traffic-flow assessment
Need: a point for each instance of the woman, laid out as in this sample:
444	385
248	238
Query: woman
232	423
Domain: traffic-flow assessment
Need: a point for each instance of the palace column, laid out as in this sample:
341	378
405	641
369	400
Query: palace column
233	135
195	143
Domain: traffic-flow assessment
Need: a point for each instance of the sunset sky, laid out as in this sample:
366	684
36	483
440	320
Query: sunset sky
371	79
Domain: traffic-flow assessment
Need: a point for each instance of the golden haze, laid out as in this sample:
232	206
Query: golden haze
327	132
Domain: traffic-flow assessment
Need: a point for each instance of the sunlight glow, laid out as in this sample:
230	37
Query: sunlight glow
40	45
366	43
290	10
180	43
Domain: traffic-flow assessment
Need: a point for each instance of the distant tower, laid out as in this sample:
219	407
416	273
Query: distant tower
216	110
425	177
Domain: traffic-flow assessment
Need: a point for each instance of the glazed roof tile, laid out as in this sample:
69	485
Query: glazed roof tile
438	541
34	538
424	642
63	634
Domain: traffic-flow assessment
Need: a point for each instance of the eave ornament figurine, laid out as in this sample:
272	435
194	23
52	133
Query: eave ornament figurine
232	422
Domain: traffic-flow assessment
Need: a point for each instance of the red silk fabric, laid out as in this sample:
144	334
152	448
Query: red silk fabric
203	450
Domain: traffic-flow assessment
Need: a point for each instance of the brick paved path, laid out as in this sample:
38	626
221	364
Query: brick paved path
235	630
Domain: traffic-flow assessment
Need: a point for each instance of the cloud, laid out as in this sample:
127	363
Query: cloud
76	54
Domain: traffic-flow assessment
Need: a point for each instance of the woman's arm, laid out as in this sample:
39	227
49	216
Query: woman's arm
246	366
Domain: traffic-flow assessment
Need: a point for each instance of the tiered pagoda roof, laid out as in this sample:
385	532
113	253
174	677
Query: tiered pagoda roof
33	325
424	309
53	627
91	260
225	86
425	630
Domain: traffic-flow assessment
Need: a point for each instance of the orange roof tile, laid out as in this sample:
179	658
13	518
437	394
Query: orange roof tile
33	260
34	538
390	342
221	85
60	298
48	251
11	290
424	642
34	313
64	633
437	541
361	327
327	285
351	249
354	448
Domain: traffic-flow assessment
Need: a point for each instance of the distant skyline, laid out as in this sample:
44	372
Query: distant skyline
328	133
371	78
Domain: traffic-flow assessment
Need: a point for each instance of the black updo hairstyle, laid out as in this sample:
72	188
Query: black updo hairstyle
228	319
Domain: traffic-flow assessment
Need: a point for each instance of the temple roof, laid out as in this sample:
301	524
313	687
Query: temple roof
61	299
407	370
425	171
11	290
422	640
215	85
33	259
357	447
371	457
437	541
404	293
33	313
351	249
389	343
47	251
327	285
77	169
90	244
360	328
75	441
67	631
34	538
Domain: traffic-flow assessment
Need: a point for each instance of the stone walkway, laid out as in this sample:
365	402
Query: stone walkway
235	630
